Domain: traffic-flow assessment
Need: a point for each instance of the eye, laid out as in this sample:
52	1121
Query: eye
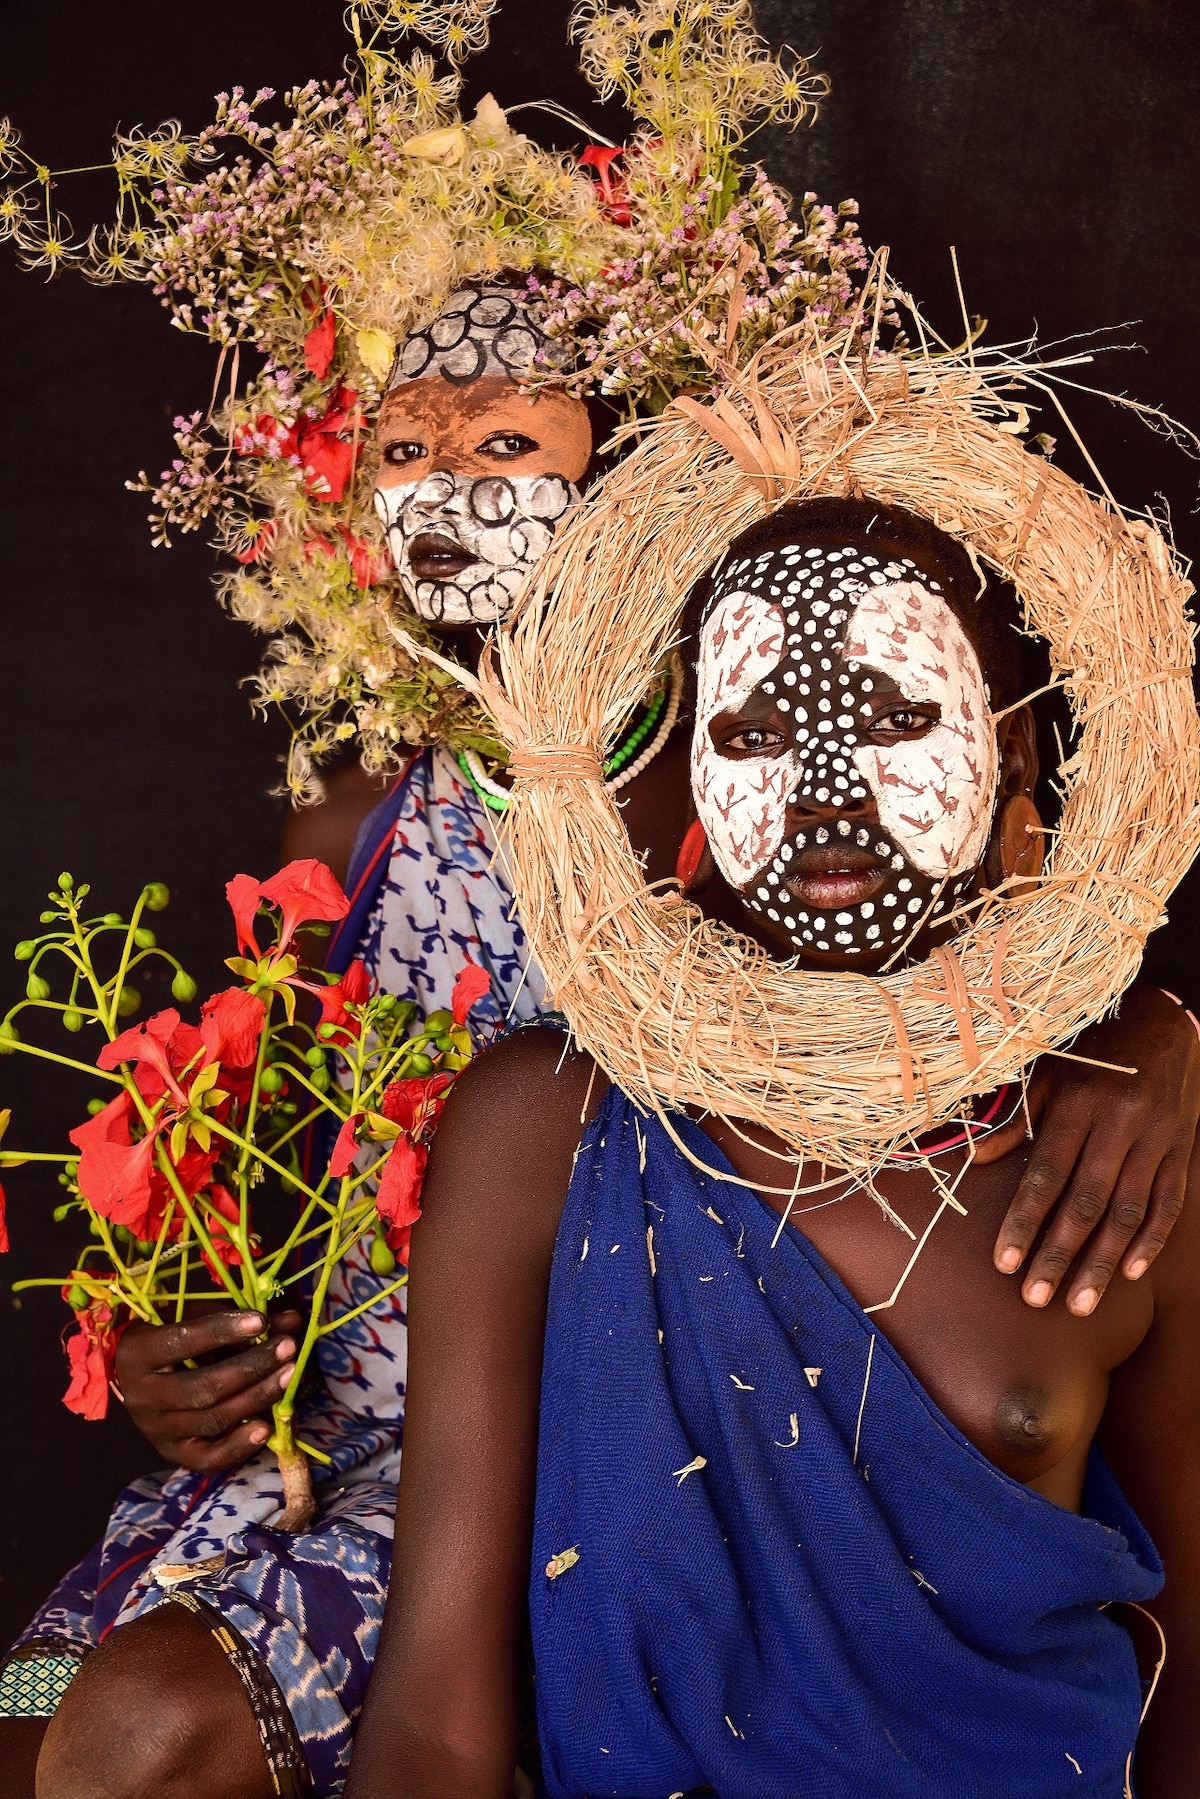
904	721
506	445
750	740
403	451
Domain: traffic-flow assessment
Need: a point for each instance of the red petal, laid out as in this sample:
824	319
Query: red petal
470	986
398	1198
244	894
304	890
320	344
346	1147
231	1025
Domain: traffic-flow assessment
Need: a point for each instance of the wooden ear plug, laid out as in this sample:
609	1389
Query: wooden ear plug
1022	846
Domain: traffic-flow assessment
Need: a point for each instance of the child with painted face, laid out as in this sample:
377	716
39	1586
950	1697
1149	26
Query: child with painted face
785	1535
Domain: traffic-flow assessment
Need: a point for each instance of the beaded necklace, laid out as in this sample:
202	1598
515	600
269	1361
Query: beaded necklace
620	769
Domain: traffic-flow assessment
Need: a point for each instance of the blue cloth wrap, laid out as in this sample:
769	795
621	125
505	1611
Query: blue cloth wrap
792	1618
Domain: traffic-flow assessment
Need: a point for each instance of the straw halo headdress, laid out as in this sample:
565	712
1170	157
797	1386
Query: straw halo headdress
680	1011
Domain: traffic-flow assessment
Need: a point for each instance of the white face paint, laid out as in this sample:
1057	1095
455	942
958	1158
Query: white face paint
505	522
843	643
740	804
935	794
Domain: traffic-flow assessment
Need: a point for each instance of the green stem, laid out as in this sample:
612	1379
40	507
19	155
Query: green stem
378	1299
49	1055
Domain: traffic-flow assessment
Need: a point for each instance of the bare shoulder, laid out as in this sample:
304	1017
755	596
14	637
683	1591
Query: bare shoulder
501	1161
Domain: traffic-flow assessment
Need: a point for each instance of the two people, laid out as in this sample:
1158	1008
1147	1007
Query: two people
303	1615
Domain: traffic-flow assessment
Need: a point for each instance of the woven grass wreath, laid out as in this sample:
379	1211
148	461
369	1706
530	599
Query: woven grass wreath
679	1010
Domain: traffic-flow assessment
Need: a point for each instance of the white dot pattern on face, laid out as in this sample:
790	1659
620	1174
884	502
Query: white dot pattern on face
811	584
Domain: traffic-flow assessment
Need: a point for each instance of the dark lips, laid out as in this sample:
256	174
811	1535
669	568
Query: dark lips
835	875
435	558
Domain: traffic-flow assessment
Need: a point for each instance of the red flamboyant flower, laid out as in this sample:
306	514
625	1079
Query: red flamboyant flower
320	344
470	985
398	1198
614	195
354	989
304	891
231	1026
415	1104
316	444
148	1046
345	1148
91	1353
370	562
262	542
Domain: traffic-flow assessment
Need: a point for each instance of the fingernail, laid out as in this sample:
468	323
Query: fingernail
259	1433
1135	1270
285	1349
251	1323
1009	1260
1085	1301
1040	1294
285	1375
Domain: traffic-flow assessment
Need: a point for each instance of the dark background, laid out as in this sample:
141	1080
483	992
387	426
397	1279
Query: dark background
1055	145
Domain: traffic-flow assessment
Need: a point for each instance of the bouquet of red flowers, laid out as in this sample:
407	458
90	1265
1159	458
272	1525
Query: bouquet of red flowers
196	1116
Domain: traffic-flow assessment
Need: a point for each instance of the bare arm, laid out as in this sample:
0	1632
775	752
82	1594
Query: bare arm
1151	1437
328	829
440	1719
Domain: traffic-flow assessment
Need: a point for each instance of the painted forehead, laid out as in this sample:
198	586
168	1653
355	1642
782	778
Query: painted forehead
817	588
488	329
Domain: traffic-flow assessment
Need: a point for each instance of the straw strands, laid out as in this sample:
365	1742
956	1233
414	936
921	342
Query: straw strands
679	1010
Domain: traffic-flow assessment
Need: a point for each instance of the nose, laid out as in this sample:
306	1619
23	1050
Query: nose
805	811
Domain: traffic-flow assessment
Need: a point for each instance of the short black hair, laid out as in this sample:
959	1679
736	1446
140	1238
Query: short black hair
991	617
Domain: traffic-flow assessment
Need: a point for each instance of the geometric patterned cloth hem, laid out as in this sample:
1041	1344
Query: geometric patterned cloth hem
35	1677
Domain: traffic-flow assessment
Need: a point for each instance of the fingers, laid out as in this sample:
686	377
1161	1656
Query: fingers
1166	1203
209	1424
155	1348
230	1451
1107	1185
1056	1150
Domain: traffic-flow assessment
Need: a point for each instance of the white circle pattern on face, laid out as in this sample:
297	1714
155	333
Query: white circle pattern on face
818	596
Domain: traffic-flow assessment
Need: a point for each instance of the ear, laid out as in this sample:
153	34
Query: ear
1017	845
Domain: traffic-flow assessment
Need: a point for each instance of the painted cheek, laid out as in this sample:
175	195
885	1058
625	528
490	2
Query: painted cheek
741	803
935	795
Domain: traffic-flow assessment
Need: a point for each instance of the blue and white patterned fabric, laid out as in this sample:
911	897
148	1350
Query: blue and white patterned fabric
311	1605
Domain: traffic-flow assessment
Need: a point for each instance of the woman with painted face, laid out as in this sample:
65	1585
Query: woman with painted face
779	1544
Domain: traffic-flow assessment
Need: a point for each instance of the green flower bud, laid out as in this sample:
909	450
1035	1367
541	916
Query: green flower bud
129	1002
420	1064
94	1228
49	917
327	1030
288	1108
183	988
320	1079
72	1021
317	928
64	1180
61	1212
24	949
37	988
144	937
438	1023
77	1297
157	896
65	882
144	1248
271	1080
96	1105
315	1057
71	1168
9	1034
122	1234
112	918
383	1260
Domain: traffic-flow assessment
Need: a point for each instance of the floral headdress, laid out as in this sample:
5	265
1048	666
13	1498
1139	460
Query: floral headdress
317	244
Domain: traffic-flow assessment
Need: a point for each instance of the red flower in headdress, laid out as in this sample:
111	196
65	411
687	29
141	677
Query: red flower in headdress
320	344
614	195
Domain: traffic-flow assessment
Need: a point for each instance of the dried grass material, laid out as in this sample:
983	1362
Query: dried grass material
678	1010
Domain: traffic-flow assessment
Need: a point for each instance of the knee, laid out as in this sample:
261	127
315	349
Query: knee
148	1717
